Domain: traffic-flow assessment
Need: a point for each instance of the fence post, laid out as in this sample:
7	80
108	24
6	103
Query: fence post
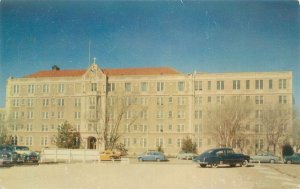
69	155
84	154
55	160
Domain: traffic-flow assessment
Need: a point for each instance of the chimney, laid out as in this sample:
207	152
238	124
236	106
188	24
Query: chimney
55	68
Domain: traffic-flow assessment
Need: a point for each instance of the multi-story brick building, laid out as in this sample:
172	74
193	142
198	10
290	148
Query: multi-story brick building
166	105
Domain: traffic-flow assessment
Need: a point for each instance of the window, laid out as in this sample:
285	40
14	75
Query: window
236	84
160	114
181	85
94	87
16	89
220	99
270	84
144	100
60	102
209	99
198	114
159	142
30	102
45	102
198	100
127	87
77	115
282	100
181	100
180	128
44	141
44	128
258	114
160	86
247	84
180	114
110	87
282	83
31	88
29	140
198	128
179	142
30	115
45	88
220	85
15	102
170	114
60	115
159	128
144	114
208	85
170	127
127	142
198	85
29	127
170	99
77	102
259	84
144	86
160	101
169	141
45	115
61	88
144	142
259	99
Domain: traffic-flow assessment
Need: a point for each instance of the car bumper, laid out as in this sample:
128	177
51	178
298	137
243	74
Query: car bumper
202	162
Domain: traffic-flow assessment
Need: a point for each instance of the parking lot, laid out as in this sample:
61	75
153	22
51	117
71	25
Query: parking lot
135	175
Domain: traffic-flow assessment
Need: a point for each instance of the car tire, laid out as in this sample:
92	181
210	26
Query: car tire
244	163
203	165
272	161
289	161
158	160
140	159
214	165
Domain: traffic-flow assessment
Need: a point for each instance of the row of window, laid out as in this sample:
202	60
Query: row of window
160	101
160	86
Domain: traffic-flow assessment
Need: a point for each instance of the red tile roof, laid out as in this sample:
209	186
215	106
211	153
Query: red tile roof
109	72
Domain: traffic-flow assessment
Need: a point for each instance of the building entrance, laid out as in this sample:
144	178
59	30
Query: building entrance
91	143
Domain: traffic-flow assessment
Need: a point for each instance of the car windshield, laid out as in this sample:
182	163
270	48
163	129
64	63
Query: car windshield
23	148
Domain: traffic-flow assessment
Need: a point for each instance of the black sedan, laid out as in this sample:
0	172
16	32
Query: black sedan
220	156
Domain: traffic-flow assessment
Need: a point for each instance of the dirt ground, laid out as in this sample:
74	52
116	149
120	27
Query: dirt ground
134	176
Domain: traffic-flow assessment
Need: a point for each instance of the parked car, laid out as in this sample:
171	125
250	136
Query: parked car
152	156
108	155
26	154
185	155
264	157
295	158
220	156
8	155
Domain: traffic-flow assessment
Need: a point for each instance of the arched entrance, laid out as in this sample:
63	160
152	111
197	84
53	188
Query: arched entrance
91	143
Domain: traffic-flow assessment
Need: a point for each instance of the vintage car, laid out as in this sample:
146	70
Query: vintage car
220	156
8	155
152	156
26	154
295	158
264	157
108	155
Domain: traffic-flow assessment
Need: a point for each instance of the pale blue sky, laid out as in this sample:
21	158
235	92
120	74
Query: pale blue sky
200	35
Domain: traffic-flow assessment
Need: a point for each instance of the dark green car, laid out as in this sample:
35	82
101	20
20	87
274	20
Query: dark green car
219	156
295	158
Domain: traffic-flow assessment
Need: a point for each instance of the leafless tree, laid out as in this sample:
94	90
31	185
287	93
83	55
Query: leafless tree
120	111
228	120
276	120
